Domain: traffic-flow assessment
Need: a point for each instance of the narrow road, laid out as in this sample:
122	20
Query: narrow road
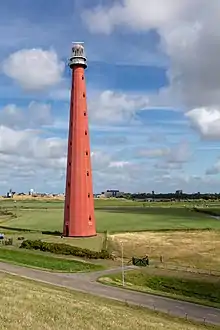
87	283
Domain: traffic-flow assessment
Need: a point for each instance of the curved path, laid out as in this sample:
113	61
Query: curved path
86	282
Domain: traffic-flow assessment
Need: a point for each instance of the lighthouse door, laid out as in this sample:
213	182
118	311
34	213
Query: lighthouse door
67	230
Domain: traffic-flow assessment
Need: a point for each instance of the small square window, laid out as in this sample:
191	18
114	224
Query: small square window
82	77
87	173
84	113
87	153
84	95
86	133
88	195
90	218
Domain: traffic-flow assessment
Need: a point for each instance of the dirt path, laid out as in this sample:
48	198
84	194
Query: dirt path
87	283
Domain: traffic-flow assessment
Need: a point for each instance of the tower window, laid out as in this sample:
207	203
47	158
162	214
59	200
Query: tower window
84	95
90	218
69	163
88	195
84	113
86	133
82	77
87	153
68	184
70	143
87	173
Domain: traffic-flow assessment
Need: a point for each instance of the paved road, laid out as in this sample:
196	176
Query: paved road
87	283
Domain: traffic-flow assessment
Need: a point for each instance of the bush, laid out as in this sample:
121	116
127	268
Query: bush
8	241
21	238
64	249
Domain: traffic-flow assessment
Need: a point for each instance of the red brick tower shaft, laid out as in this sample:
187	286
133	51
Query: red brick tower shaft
79	218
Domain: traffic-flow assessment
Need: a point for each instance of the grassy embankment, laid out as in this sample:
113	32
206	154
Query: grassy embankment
31	305
40	260
183	286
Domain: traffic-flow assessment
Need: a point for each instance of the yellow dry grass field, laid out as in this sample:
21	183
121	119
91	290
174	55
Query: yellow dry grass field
31	305
198	249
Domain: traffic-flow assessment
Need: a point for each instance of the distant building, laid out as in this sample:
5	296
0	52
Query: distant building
179	192
112	193
31	192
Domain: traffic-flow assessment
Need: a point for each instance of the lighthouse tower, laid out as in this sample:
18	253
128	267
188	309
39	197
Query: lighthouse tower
79	218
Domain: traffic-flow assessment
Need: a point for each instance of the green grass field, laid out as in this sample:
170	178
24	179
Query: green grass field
184	286
110	216
38	260
172	230
30	305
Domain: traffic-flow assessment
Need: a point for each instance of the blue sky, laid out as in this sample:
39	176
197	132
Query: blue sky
154	111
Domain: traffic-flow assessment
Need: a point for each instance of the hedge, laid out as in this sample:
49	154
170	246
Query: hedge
64	249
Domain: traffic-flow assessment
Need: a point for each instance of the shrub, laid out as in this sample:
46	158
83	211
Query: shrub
21	238
64	249
8	241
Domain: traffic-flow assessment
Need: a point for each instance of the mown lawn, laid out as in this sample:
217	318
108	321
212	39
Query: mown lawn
30	305
114	219
33	259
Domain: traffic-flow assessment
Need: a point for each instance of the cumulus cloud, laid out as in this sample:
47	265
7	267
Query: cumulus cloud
113	107
154	153
108	106
139	15
27	158
34	69
119	164
206	121
35	115
177	154
28	144
189	35
215	169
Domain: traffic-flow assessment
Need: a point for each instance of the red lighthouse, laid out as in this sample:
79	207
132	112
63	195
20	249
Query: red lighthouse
79	218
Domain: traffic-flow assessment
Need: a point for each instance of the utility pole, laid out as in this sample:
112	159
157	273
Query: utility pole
122	264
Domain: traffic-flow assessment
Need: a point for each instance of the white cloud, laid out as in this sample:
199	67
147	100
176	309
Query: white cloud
189	35
34	69
215	169
154	153
206	121
28	144
34	116
119	164
108	106
139	15
27	158
178	154
113	107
